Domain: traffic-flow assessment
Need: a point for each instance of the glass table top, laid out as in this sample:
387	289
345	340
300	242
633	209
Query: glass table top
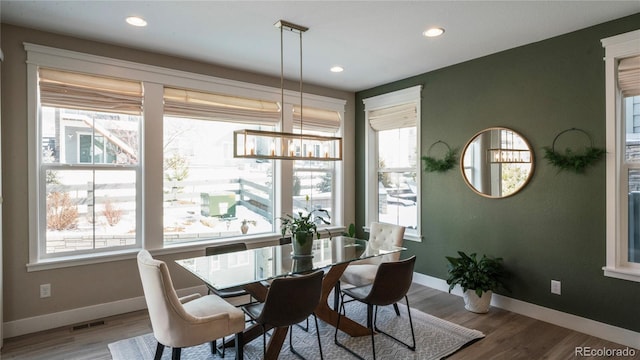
253	265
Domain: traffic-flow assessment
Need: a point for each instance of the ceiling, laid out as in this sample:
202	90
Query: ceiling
375	41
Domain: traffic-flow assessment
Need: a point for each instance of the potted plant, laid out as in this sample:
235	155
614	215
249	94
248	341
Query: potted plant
302	228
479	278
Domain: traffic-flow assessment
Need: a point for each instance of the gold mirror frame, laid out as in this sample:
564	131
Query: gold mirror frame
492	152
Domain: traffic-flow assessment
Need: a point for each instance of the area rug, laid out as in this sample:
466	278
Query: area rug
435	339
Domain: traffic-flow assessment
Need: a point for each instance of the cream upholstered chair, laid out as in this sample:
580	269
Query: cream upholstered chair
188	321
363	272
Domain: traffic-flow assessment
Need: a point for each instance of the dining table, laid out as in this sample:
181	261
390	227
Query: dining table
254	268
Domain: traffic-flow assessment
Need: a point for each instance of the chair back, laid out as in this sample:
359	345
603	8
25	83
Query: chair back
392	282
290	300
166	313
224	249
383	235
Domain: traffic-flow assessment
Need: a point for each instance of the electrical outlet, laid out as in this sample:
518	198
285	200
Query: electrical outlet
556	287
45	290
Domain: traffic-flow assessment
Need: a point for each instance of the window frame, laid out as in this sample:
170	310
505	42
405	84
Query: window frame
150	213
407	95
617	264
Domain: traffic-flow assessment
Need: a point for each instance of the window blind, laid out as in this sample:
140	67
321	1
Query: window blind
209	106
316	119
394	117
629	76
89	92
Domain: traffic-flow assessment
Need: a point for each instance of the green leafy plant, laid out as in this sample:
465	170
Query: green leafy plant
300	223
432	164
351	231
571	161
479	275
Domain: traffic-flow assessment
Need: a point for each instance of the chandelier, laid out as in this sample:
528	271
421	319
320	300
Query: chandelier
259	144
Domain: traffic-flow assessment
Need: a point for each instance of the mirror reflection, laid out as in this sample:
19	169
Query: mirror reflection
497	162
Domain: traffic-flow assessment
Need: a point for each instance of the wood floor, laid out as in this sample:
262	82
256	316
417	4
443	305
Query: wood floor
508	335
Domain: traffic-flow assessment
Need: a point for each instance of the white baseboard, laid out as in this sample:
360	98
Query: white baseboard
587	326
81	315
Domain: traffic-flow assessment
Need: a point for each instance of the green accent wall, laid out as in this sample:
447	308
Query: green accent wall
555	227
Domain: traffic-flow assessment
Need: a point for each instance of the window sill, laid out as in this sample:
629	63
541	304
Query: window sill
105	257
626	273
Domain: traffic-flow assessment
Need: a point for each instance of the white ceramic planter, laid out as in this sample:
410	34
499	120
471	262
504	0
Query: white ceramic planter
477	304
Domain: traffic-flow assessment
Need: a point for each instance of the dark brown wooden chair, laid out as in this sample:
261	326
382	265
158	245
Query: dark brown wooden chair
289	301
391	284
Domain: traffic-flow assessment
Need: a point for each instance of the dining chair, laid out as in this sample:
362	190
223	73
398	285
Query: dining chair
285	241
362	272
188	321
230	293
289	301
390	285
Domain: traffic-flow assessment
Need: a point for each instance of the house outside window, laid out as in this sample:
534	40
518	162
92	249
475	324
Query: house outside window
127	156
393	171
622	69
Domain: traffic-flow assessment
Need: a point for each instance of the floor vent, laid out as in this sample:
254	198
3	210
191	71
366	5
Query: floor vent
87	325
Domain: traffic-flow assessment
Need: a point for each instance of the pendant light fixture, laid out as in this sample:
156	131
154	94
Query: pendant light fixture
259	144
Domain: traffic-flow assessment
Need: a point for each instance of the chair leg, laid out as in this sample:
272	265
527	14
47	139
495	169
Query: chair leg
395	307
370	323
315	318
159	350
336	296
239	346
175	354
317	334
413	336
343	312
216	350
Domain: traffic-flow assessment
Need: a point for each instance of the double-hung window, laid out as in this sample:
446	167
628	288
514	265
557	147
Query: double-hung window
393	173
89	166
314	181
622	68
208	193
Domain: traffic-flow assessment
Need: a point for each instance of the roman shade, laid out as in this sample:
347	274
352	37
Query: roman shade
210	106
72	90
629	76
316	119
394	117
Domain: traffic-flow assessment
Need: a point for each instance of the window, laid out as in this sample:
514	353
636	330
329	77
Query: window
120	149
393	172
314	181
208	193
88	163
622	67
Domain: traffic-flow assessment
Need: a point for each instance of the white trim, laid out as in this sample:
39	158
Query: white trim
81	315
617	265
576	323
410	94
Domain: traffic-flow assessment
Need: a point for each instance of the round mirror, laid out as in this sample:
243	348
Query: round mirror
497	162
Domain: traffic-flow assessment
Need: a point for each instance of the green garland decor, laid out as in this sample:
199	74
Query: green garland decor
440	165
570	160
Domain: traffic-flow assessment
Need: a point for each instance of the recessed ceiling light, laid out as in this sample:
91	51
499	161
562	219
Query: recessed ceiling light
136	21
337	69
433	32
